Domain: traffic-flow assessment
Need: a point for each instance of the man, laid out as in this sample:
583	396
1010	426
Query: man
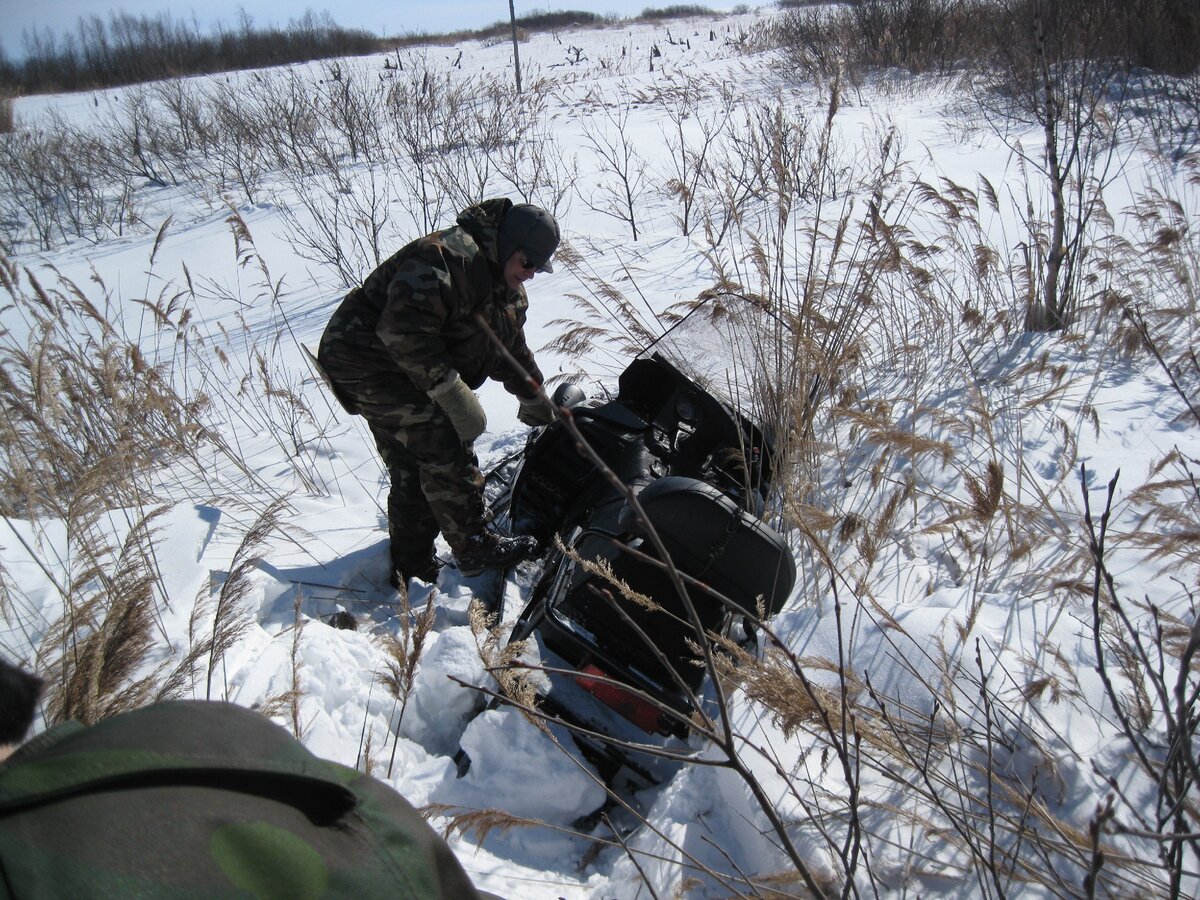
406	351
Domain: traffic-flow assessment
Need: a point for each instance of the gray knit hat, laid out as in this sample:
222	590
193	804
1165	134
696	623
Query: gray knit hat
531	230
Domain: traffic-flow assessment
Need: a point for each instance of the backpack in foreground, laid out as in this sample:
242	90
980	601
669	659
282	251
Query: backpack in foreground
196	799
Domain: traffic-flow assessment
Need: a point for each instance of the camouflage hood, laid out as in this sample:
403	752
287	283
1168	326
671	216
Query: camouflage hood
482	222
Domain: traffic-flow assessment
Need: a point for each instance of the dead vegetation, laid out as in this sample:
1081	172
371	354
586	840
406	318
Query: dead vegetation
884	343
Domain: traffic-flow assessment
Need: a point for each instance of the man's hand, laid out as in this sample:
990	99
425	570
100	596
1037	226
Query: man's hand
535	411
461	407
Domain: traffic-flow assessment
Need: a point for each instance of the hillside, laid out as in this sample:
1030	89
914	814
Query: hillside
978	684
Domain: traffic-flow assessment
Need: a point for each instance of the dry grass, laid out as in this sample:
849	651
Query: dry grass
881	325
287	703
82	411
517	683
95	656
87	421
405	655
874	316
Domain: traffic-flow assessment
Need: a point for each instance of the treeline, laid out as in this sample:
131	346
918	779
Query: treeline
127	49
678	11
570	18
939	36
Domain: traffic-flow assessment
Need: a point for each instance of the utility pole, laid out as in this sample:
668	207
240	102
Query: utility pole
512	15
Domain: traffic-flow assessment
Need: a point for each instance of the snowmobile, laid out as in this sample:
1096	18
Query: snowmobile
670	471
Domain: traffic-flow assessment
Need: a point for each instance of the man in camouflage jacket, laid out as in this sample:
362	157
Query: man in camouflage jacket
406	350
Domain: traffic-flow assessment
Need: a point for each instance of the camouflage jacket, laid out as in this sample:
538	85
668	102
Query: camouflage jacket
203	800
415	314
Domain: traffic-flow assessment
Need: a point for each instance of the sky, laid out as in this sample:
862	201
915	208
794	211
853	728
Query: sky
377	16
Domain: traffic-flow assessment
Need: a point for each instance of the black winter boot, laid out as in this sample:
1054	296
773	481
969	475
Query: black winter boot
426	571
489	550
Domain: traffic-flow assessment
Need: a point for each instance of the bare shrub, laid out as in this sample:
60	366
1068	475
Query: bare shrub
140	142
283	113
1171	105
218	144
941	36
1153	293
692	141
240	154
919	36
816	44
1145	656
7	118
1059	66
95	200
479	122
532	161
184	104
52	189
419	103
342	218
1053	72
353	104
623	172
29	189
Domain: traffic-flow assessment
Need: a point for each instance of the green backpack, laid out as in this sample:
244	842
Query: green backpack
195	799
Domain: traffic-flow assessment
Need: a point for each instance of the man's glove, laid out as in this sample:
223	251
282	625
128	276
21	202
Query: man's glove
535	411
461	407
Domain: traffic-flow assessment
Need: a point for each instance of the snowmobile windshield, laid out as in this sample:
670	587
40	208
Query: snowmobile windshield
726	346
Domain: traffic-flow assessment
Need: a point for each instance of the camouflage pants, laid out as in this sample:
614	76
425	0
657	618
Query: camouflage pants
436	484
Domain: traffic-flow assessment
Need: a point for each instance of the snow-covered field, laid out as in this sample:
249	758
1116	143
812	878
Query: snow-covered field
910	580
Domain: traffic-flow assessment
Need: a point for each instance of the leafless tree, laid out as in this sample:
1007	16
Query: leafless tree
532	161
691	137
1054	71
623	172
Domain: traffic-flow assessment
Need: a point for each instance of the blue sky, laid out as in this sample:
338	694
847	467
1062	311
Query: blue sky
395	17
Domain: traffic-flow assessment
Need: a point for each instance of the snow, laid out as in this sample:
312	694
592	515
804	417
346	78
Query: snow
922	599
559	792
